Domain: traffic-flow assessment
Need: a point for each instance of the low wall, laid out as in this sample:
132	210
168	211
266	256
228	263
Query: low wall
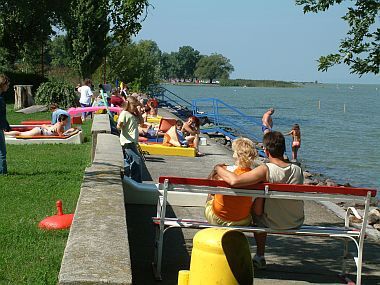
97	250
100	124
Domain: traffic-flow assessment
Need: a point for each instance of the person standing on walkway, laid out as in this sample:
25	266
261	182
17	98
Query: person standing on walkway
4	125
267	122
128	122
278	214
85	96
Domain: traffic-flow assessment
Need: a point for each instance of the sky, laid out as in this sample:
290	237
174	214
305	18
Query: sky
271	39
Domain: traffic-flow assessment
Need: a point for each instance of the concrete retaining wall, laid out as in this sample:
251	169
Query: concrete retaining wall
97	250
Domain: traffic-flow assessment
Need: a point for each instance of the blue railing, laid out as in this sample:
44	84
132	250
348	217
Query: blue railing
226	119
167	96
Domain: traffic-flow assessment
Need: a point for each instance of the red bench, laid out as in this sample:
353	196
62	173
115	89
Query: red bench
168	185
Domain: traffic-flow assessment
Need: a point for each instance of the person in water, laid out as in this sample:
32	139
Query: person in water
267	122
58	129
296	140
227	210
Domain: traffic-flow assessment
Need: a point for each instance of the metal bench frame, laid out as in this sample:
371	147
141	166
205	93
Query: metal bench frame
267	191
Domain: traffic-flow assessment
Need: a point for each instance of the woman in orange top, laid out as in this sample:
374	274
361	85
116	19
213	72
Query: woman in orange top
235	210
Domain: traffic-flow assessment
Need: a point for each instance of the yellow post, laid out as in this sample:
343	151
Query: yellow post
220	256
183	277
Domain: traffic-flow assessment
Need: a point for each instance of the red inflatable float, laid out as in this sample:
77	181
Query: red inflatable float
57	222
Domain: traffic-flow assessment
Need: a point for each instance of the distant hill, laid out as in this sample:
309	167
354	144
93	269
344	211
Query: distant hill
257	83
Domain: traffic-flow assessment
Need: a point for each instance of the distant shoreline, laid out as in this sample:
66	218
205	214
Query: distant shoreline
243	83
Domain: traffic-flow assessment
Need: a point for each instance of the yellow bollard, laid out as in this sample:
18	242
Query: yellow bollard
220	256
183	277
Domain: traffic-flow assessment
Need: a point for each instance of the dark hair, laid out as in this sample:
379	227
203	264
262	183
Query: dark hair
53	106
196	121
62	117
3	80
274	142
179	123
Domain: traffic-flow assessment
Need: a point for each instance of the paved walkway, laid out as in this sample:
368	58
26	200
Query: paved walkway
291	260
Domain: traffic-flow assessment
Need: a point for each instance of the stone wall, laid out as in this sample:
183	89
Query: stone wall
97	250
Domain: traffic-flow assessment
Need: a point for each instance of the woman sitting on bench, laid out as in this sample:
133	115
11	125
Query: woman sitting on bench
58	129
278	213
227	210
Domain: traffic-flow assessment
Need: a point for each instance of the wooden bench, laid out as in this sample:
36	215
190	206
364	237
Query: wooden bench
174	185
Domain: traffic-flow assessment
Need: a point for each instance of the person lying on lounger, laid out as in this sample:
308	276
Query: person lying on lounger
55	130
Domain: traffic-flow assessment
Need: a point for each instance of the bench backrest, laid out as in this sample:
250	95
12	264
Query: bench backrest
268	190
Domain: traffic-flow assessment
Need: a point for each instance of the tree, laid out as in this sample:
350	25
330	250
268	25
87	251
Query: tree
58	52
187	59
87	32
361	48
135	63
215	66
26	27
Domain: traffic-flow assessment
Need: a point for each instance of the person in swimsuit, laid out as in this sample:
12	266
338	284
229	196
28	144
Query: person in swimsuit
58	129
296	140
267	122
191	131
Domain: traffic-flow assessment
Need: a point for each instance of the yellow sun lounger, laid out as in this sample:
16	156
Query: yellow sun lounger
154	120
160	149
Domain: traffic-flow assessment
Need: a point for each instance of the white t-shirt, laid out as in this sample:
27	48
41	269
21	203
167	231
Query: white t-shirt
85	94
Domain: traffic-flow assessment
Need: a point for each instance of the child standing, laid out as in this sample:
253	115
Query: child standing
235	210
296	140
128	123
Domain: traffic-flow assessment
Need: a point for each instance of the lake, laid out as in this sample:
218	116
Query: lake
339	124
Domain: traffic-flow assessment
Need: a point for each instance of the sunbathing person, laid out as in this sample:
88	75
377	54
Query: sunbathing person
191	131
278	213
227	210
58	129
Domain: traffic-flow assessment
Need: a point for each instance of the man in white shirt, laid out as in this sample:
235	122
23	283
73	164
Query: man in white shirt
85	96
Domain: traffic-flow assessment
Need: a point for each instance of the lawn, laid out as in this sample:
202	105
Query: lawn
38	176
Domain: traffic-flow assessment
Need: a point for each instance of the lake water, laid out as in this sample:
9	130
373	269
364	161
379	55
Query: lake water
341	144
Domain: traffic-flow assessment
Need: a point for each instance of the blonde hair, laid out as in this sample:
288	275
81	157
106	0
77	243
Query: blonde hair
244	152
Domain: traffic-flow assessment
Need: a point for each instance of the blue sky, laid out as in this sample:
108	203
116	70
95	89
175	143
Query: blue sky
269	39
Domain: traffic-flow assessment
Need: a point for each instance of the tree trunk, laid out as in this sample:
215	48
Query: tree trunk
23	96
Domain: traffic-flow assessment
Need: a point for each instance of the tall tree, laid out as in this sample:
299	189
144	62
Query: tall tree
135	63
87	31
25	28
187	59
169	65
361	48
215	66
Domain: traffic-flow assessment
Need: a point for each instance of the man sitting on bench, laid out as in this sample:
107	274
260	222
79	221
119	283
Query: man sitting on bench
278	213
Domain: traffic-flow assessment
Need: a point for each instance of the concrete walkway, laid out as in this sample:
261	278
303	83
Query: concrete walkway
291	260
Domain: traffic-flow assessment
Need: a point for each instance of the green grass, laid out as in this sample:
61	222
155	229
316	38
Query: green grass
38	176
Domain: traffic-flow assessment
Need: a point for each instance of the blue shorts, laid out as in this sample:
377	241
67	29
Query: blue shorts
264	128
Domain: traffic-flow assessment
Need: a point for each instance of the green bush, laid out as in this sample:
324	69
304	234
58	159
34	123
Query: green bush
56	91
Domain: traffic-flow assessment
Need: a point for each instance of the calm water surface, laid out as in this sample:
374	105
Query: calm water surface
341	145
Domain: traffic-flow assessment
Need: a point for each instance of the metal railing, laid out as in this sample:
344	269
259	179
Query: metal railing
167	96
226	119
